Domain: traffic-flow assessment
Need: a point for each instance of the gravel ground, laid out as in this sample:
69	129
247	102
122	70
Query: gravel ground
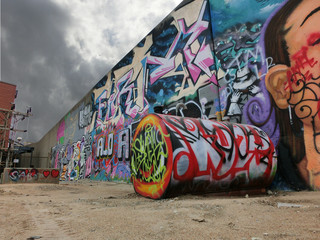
103	210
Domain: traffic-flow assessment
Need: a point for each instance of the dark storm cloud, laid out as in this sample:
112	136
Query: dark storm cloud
50	76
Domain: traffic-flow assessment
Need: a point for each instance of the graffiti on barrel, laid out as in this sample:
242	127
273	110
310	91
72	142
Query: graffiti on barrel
151	157
173	154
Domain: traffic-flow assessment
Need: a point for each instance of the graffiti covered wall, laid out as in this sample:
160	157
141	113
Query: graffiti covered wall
244	61
72	154
173	64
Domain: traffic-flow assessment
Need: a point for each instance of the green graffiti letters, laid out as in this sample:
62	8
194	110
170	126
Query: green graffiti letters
149	154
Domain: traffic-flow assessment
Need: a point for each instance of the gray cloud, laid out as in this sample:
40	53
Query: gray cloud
50	75
55	51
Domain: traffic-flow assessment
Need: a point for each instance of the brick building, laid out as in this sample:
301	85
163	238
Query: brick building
7	96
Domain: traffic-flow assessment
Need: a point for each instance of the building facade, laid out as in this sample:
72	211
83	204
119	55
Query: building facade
7	98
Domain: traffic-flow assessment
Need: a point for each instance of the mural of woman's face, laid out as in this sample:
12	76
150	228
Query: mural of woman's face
297	86
303	76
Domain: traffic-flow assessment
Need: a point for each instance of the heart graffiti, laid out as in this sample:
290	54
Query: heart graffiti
55	173
46	173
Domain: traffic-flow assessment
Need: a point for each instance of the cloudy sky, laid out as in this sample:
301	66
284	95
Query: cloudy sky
56	50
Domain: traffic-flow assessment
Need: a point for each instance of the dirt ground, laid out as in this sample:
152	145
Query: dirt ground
102	210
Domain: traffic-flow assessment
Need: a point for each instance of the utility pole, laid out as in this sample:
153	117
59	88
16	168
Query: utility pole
7	144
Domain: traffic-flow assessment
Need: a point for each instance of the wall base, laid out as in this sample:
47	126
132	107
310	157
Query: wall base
30	175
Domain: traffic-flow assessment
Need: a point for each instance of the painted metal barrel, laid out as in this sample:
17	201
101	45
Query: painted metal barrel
176	155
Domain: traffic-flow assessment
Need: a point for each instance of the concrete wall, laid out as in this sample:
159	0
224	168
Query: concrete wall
30	175
252	62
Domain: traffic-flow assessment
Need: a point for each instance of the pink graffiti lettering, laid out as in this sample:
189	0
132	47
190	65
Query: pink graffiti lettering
60	132
198	61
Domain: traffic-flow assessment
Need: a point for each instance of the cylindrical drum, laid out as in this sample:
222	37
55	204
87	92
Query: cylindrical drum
174	155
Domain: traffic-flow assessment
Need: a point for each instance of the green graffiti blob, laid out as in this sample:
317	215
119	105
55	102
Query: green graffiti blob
149	154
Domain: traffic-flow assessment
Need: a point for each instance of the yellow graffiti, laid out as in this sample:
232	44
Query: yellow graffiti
149	153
